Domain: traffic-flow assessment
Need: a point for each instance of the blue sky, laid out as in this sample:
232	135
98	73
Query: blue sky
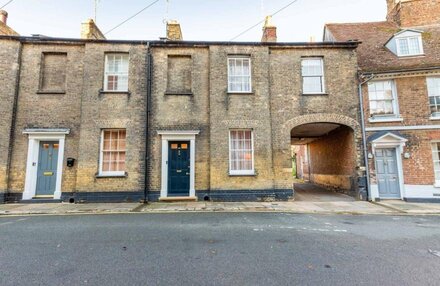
200	19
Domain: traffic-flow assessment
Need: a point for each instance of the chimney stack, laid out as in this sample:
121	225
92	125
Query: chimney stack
413	13
90	31
269	31
3	16
174	33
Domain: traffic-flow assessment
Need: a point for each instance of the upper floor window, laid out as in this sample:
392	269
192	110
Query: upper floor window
239	74
312	70
433	84
406	43
112	152
383	98
241	152
116	72
409	46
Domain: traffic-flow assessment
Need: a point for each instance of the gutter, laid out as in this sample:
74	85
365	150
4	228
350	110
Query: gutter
149	61
364	134
167	43
13	118
401	71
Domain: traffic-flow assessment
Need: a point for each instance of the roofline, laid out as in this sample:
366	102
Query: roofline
161	43
401	70
358	23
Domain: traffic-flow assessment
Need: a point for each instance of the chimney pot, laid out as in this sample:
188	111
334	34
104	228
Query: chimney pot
3	16
174	33
269	31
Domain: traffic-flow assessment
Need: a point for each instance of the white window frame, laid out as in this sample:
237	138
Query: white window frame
396	112
399	51
250	74
101	155
241	172
435	115
322	75
108	73
434	143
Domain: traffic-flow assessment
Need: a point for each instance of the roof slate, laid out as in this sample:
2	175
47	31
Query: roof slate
373	56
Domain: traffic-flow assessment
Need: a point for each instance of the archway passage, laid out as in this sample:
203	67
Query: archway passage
324	155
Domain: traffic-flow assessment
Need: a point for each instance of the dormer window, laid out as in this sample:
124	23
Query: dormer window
409	46
406	43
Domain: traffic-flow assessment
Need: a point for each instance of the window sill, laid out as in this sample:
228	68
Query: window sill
254	174
434	118
316	93
51	92
410	56
240	92
384	119
102	176
127	92
183	93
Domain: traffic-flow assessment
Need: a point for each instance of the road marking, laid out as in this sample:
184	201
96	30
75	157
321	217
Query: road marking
11	222
313	229
434	252
5	223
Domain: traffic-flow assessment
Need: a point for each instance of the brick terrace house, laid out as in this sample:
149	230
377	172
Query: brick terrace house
93	119
400	67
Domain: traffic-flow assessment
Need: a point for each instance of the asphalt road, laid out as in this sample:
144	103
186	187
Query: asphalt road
219	249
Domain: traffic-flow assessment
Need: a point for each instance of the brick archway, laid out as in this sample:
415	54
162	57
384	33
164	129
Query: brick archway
333	153
324	118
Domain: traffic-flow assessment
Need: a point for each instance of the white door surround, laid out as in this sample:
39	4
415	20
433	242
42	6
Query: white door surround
391	141
178	135
35	136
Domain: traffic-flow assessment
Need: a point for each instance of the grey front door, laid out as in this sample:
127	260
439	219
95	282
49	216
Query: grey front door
47	168
387	173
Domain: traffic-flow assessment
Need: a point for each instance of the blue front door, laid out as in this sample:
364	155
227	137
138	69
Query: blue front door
178	168
387	174
47	168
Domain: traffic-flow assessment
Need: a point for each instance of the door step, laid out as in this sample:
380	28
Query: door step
178	199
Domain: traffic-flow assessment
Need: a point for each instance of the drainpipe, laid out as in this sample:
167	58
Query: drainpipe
364	135
13	119
147	122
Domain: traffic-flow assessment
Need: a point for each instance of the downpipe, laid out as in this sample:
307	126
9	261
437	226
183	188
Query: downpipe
149	62
363	81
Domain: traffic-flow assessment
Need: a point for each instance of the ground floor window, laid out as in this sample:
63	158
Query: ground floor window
112	152
241	152
436	160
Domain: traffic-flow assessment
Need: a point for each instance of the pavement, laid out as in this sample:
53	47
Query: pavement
307	207
208	248
309	199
